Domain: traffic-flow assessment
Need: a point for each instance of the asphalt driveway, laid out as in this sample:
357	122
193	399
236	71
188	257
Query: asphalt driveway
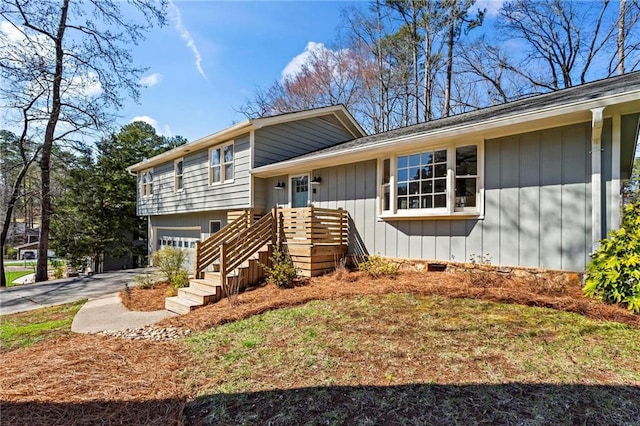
56	292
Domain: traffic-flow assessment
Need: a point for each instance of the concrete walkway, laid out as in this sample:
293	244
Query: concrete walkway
108	313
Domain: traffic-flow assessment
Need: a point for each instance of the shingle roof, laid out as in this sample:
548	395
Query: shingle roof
585	92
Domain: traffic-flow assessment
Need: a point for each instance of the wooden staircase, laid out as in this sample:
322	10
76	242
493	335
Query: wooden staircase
229	260
209	288
235	255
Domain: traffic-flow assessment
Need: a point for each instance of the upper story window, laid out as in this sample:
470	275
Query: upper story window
221	161
178	173
445	180
146	183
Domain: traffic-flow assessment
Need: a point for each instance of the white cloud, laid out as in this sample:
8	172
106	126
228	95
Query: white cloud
12	33
492	6
295	65
163	130
176	17
87	85
151	79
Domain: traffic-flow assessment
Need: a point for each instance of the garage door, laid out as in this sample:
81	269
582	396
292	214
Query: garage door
179	238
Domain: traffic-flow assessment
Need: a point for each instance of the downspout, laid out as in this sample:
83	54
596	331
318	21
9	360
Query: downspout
596	177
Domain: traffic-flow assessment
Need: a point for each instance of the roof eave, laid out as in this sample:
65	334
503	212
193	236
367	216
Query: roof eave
177	152
579	110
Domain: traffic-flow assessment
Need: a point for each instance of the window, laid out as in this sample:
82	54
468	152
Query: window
214	226
146	183
386	184
431	182
466	176
178	172
422	180
221	164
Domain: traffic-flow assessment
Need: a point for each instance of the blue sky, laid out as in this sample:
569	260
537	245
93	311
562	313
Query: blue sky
213	54
196	80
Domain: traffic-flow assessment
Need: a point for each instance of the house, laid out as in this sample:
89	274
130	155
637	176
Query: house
531	183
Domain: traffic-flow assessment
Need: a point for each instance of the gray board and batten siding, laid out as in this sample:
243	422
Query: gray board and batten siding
284	141
197	194
537	212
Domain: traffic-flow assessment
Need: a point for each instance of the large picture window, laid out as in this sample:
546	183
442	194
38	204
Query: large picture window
146	183
221	161
422	180
431	182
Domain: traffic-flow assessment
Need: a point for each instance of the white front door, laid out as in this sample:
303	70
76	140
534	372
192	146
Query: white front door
299	191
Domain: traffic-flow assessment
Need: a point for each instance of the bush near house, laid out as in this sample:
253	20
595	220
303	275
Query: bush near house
613	274
170	262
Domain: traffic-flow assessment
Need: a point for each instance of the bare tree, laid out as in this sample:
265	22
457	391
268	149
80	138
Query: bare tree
72	59
566	42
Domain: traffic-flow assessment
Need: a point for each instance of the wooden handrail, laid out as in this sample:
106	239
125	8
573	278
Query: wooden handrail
236	251
312	225
238	241
208	251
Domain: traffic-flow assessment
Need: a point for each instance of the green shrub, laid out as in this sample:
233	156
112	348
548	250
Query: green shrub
12	253
181	279
58	272
170	261
376	266
613	274
282	271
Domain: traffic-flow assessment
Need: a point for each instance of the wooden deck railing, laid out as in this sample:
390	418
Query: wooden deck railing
314	226
208	251
240	239
236	251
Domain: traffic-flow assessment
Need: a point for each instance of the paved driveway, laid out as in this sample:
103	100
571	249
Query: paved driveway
56	292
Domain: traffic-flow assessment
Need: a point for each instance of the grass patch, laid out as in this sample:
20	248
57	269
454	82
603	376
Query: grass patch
415	359
11	276
25	329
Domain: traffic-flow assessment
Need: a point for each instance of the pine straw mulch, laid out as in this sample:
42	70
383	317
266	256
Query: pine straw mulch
557	291
88	379
150	299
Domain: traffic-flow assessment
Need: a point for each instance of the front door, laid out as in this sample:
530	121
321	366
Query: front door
299	191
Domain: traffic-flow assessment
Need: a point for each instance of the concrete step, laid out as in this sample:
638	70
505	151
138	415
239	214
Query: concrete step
202	296
179	305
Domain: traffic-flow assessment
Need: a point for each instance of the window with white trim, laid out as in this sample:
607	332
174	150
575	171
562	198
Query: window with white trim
443	180
178	173
221	162
146	183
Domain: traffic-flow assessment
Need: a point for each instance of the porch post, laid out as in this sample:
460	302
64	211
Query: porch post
596	177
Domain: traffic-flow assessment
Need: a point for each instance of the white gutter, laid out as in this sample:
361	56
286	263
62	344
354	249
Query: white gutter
221	136
579	109
241	128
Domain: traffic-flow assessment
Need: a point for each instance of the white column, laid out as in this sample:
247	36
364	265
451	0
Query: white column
615	200
596	186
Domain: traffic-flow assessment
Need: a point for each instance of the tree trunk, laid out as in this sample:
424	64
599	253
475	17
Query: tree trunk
621	36
7	218
450	39
49	136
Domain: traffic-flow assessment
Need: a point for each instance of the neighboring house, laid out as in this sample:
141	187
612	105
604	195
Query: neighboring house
20	233
534	183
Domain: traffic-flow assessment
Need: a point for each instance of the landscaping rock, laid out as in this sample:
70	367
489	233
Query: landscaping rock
150	332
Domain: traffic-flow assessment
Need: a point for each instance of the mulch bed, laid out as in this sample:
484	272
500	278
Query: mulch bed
91	380
139	299
562	292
